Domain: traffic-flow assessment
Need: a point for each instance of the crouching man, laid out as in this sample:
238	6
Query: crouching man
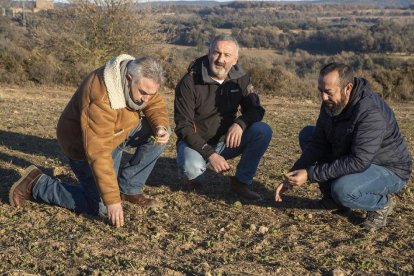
102	119
355	152
208	129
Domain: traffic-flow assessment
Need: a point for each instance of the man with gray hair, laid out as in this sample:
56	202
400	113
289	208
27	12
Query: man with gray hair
116	107
210	128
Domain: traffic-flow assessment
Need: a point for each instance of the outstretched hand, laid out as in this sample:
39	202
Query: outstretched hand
293	178
115	214
280	190
296	178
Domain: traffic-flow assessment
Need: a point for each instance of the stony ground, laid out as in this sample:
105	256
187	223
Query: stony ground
207	233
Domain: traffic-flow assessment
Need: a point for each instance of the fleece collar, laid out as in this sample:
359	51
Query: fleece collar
113	81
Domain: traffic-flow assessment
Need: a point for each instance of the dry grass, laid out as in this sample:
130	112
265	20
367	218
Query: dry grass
208	233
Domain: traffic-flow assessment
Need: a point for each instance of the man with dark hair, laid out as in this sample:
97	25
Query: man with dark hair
206	104
355	152
103	118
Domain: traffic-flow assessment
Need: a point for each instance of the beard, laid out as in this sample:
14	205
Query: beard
219	70
333	108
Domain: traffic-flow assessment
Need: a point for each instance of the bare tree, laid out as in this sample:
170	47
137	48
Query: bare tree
109	27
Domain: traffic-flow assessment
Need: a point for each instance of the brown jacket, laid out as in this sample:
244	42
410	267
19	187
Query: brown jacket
89	129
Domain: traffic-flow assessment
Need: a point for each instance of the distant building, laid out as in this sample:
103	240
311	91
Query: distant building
17	7
43	5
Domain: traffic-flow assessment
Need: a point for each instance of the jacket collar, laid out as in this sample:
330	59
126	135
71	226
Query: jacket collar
359	91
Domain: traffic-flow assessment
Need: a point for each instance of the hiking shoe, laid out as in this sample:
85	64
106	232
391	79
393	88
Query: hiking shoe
378	218
243	189
22	189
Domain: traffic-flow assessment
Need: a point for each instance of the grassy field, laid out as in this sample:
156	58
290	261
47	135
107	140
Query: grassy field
207	233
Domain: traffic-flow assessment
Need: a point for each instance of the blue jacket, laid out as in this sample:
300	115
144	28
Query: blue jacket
366	132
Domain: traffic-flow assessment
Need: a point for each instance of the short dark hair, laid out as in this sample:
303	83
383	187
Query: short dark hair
346	74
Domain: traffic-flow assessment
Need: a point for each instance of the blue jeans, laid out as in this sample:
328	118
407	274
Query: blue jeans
367	190
254	142
84	197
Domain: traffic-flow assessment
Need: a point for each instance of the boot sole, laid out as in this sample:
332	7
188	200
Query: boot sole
24	175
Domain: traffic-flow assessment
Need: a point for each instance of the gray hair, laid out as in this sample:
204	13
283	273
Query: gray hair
146	67
223	37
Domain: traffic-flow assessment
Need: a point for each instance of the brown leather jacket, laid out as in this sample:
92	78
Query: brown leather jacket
89	129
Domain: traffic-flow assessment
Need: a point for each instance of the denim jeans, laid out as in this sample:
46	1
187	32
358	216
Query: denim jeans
367	190
254	142
84	197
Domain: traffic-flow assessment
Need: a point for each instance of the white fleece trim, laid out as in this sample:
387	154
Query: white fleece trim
113	81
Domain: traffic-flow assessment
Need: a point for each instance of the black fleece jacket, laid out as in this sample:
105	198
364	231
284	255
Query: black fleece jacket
365	133
204	109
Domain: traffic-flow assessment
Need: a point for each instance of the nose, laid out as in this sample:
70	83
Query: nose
324	96
220	58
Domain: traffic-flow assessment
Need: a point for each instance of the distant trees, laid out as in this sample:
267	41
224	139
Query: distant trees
61	46
314	28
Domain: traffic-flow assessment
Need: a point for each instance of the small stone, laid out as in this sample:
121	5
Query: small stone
337	272
310	216
253	227
263	229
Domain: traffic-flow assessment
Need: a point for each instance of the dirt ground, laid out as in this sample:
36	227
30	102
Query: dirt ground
211	232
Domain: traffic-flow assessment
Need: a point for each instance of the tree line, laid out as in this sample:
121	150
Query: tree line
61	46
314	28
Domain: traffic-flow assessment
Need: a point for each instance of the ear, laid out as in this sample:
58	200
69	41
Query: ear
129	77
348	89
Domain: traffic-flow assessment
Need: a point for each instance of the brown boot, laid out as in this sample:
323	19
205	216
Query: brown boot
242	189
22	189
140	200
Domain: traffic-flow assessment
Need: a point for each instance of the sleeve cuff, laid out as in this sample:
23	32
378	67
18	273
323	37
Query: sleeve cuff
241	123
207	151
310	171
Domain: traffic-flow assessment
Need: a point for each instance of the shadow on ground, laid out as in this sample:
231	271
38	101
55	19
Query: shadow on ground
27	144
165	173
31	144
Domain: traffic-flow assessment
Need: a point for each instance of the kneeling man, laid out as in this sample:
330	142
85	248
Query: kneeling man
102	119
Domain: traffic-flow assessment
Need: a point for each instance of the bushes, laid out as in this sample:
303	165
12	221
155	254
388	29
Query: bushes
50	52
278	79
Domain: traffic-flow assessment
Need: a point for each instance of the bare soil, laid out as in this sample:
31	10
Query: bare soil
211	232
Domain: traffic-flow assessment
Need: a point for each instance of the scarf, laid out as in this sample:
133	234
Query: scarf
117	84
127	90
